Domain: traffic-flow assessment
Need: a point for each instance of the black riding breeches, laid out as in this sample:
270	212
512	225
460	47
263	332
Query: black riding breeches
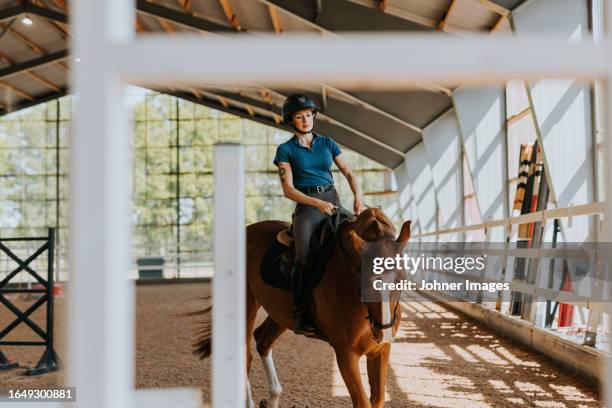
306	219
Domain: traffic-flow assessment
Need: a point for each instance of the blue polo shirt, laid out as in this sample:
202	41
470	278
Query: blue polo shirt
310	167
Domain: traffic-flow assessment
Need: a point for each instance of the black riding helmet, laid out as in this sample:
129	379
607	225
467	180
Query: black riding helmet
297	102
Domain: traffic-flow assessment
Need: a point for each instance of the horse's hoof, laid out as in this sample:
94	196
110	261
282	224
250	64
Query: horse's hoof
263	404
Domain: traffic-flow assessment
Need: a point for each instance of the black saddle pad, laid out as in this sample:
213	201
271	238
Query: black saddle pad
321	244
271	273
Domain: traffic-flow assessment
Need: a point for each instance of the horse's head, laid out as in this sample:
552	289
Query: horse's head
374	226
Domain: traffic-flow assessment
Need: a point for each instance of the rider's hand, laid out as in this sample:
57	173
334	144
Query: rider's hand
358	206
326	207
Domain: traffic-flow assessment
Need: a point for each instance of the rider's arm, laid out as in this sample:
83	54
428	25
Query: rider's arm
289	191
346	171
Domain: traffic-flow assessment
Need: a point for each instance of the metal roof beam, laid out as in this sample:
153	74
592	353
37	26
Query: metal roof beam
45	12
35	101
12	12
7	28
28	7
180	18
38	62
264	105
215	104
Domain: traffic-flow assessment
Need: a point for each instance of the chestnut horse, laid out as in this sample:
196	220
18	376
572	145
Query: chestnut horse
351	327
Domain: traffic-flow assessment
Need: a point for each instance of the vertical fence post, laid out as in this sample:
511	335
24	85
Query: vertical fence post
50	289
101	321
229	281
606	236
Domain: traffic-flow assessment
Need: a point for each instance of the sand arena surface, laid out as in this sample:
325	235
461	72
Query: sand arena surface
439	359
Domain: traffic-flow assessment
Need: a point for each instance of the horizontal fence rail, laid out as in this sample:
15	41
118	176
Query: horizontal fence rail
566	212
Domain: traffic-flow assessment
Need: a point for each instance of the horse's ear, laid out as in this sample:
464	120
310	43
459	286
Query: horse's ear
357	242
404	235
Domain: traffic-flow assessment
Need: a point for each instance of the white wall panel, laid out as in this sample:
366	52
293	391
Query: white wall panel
563	112
404	198
443	146
482	119
422	194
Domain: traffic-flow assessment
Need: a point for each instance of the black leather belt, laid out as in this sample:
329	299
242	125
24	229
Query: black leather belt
317	189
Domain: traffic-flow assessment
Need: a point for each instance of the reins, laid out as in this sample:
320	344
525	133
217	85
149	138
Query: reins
379	326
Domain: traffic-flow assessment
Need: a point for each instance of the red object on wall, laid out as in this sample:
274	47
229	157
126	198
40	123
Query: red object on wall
57	288
566	312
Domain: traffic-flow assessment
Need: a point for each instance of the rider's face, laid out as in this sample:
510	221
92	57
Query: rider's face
303	120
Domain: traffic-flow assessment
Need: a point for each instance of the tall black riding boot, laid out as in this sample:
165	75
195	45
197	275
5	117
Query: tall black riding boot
303	322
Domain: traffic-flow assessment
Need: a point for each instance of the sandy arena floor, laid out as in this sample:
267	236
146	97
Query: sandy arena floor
440	359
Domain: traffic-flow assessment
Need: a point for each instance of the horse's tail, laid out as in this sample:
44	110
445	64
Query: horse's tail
203	344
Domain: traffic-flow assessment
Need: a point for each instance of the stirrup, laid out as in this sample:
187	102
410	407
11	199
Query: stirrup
304	326
284	238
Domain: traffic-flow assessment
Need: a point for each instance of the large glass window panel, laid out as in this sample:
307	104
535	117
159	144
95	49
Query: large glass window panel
186	129
203	210
160	133
256	157
197	185
156	186
254	133
230	129
160	160
10	188
196	237
206	132
197	159
36	187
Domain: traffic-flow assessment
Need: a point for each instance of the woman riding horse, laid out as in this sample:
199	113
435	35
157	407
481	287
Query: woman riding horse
304	166
352	327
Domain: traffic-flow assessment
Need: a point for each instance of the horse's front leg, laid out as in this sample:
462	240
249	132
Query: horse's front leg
348	363
377	374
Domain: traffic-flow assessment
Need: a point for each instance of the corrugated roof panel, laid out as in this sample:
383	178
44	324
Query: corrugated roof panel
41	35
418	107
373	124
509	4
333	16
25	83
289	22
434	9
54	74
359	144
149	23
253	15
470	16
173	4
210	9
7	98
15	49
9	3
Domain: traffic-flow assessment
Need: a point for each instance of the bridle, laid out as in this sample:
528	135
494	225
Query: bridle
373	323
380	326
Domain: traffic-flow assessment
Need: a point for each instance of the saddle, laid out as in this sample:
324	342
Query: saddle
279	257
